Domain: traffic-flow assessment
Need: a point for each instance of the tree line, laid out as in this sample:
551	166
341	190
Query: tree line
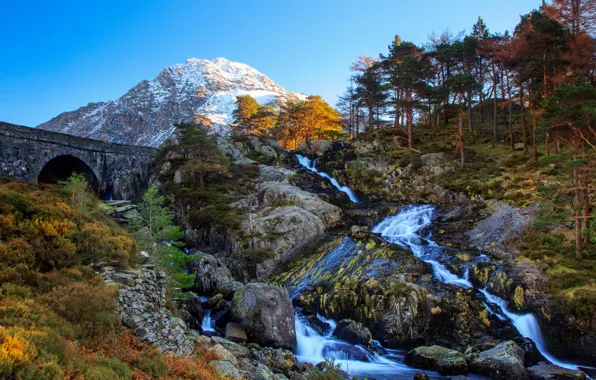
531	88
295	123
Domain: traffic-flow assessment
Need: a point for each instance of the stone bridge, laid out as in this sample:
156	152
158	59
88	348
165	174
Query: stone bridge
113	170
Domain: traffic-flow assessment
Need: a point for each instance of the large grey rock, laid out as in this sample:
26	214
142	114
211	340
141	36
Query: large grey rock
239	351
273	194
353	332
545	371
315	147
437	358
213	277
283	228
274	174
225	368
235	332
504	361
266	313
278	360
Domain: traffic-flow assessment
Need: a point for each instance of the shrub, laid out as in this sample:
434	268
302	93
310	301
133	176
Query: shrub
151	363
91	306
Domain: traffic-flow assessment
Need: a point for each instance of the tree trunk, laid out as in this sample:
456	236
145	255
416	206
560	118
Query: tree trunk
547	143
511	142
495	133
578	223
534	145
409	121
470	126
462	157
357	121
523	117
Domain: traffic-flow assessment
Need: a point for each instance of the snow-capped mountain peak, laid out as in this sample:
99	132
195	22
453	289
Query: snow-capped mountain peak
145	115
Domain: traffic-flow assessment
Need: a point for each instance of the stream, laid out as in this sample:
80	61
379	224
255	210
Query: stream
408	229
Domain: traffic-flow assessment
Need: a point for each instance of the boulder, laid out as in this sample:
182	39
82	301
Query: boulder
282	229
202	344
421	376
213	277
278	360
545	371
273	194
315	147
213	302
266	314
504	361
220	353
235	332
353	332
437	358
320	326
195	307
235	349
274	174
225	368
360	232
143	257
232	151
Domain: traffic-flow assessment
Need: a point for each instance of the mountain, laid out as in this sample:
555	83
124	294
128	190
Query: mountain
145	115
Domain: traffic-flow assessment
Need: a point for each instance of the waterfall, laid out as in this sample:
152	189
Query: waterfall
528	327
314	347
408	229
310	165
405	229
207	324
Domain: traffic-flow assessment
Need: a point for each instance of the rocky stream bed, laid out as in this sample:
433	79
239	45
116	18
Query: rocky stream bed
376	285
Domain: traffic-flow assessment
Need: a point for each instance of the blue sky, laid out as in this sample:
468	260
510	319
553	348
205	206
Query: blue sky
57	56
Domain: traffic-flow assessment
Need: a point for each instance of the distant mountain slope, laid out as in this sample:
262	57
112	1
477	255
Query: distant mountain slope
145	114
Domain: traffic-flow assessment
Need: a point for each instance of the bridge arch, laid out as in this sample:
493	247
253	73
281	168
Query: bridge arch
60	168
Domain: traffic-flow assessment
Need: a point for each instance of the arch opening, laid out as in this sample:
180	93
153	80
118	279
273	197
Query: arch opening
62	167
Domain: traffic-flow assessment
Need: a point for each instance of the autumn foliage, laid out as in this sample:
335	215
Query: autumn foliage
58	320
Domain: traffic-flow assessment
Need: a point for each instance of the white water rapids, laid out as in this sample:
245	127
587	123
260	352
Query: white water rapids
406	229
310	165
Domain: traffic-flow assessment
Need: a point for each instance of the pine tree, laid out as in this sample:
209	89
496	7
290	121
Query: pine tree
246	108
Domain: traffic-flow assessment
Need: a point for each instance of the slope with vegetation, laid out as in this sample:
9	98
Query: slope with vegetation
57	318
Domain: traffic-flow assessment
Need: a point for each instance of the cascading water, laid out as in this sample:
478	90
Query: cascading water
382	364
310	165
528	327
404	229
208	324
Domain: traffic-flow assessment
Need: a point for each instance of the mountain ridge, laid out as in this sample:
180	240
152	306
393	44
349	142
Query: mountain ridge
146	114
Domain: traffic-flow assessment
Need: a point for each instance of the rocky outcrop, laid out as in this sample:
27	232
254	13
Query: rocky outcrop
504	225
316	147
443	360
272	194
398	302
545	371
213	277
504	361
353	332
266	314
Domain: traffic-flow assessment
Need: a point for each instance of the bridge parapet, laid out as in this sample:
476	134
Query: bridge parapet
121	171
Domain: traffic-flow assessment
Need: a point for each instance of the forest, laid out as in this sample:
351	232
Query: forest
531	90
